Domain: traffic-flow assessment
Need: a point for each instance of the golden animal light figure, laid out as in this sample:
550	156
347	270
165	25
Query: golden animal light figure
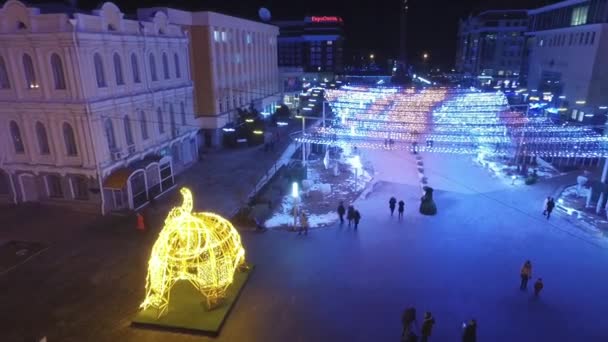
202	248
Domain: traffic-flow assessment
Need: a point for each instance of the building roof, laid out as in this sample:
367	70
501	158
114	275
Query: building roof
503	14
557	5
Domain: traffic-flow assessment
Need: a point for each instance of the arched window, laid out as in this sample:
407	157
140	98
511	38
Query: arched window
43	139
161	124
118	70
99	72
30	74
183	112
57	68
128	134
109	130
178	73
165	66
135	68
69	140
4	81
16	135
172	120
143	124
153	68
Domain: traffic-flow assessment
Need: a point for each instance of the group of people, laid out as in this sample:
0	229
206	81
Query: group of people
352	215
469	328
410	327
525	275
391	205
548	206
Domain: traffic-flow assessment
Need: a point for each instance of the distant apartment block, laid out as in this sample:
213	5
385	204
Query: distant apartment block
234	65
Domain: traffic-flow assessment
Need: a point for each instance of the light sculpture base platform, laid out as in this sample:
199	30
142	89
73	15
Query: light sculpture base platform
188	310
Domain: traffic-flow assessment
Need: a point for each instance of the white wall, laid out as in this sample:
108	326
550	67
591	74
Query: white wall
580	64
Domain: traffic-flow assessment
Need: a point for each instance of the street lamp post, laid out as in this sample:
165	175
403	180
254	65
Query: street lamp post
295	193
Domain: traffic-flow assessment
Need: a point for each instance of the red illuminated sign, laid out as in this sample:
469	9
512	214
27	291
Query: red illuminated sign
325	19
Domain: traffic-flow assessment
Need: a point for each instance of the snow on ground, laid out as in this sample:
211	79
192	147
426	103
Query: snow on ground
325	191
501	168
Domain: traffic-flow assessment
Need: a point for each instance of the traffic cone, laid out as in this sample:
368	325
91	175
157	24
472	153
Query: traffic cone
140	223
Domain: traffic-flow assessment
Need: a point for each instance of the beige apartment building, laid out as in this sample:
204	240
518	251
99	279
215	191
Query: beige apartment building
233	62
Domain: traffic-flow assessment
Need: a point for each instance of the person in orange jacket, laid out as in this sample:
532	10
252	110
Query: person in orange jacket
526	274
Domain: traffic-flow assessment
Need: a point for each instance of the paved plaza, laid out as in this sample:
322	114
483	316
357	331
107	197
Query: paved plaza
337	284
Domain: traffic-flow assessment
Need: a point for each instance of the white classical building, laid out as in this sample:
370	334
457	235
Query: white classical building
96	111
234	65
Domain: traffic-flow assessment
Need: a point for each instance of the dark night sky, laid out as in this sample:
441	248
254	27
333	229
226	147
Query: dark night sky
370	25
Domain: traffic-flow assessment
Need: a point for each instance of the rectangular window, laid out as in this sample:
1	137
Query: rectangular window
80	188
587	36
580	40
592	38
216	35
248	38
224	36
53	183
579	16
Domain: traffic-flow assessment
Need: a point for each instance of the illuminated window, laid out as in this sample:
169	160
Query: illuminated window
223	36
248	38
57	69
99	72
17	140
216	35
579	16
329	42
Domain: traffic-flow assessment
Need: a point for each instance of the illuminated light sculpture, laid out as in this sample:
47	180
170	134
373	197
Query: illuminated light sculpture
202	248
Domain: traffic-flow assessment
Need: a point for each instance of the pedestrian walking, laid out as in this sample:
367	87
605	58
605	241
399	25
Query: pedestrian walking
538	286
341	212
525	274
469	333
356	218
427	326
303	223
350	215
550	206
391	204
401	209
545	203
408	318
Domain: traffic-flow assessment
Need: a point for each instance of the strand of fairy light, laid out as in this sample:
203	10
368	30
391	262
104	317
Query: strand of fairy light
463	104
